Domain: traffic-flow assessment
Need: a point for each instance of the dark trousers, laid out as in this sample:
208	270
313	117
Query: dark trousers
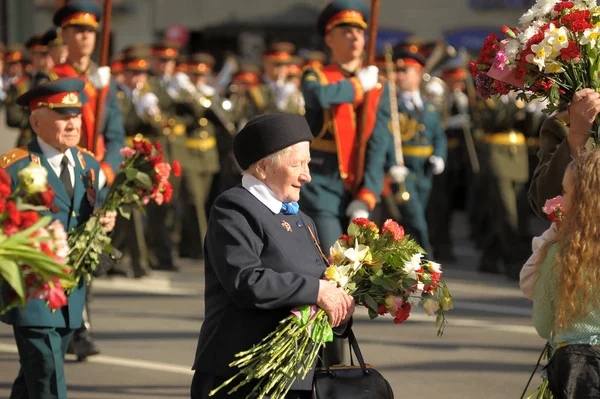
413	212
203	383
41	356
574	372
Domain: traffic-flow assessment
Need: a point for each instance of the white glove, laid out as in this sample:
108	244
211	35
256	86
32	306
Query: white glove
99	77
357	209
368	77
147	105
283	94
398	173
438	164
180	83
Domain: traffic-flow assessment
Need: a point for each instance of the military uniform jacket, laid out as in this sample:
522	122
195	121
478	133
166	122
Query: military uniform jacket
259	266
332	98
71	215
17	116
111	138
422	136
554	157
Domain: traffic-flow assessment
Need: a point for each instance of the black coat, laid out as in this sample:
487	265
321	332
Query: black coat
256	272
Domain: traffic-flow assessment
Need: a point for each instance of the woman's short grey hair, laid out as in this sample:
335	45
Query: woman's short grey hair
273	159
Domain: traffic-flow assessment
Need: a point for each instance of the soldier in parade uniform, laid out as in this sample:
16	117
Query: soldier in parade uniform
42	335
78	22
504	173
39	56
129	234
56	48
18	82
203	134
423	144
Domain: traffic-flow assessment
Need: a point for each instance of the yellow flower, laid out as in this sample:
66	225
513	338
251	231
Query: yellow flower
331	272
33	178
359	254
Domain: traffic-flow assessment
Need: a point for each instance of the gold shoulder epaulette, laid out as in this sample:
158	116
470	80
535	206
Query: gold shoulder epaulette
13	156
85	151
563	117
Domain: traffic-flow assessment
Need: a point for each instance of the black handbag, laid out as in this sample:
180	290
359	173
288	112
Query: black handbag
351	382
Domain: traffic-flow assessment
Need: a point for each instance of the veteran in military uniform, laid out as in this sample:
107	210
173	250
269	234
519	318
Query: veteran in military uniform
17	84
424	144
41	335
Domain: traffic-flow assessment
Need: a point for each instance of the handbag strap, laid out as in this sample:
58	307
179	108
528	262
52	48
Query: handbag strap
353	346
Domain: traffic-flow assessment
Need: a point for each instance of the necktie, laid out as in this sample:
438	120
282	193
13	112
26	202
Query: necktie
290	208
65	176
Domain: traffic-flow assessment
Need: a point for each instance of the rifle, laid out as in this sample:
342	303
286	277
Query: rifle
360	142
402	195
103	61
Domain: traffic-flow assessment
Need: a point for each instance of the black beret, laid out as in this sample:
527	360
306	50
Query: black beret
267	134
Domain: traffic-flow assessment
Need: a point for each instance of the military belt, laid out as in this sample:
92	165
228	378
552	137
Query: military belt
201	144
418	151
453	142
324	145
506	138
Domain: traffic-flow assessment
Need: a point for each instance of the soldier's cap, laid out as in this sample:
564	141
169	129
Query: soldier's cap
454	74
417	45
295	67
35	45
135	58
267	134
405	59
280	52
84	13
315	59
61	95
15	53
52	37
116	63
343	12
200	63
247	74
166	50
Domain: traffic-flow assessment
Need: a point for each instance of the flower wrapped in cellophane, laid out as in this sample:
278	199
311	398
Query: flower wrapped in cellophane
384	271
553	53
33	249
142	178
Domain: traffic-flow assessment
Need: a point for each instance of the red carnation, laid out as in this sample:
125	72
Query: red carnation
2	205
473	69
500	87
580	25
563	5
47	197
56	296
535	39
570	52
142	146
29	218
158	147
403	313
13	213
381	310
4	177
155	159
347	239
520	72
394	228
362	222
176	168
168	194
435	280
5	190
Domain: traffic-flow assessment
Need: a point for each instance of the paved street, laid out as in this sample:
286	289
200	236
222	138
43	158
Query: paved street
147	330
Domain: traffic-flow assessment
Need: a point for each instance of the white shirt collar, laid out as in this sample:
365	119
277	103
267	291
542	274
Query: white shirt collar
54	156
262	193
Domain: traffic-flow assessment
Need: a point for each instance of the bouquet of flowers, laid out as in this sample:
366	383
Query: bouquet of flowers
33	250
142	178
554	210
553	53
383	270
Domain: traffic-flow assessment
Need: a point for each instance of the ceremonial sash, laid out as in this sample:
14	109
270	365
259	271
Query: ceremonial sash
340	119
88	110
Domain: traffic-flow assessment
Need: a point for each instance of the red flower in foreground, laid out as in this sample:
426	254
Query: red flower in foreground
570	52
347	239
176	168
47	197
563	5
362	222
394	228
158	147
143	147
403	313
56	297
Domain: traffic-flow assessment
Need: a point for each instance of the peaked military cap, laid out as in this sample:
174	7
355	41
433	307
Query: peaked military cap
247	74
116	63
35	45
79	13
166	50
15	53
405	59
61	95
315	59
295	67
135	58
267	134
200	63
52	37
280	52
343	12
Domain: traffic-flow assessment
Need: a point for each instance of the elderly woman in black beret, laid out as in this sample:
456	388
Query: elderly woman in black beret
261	257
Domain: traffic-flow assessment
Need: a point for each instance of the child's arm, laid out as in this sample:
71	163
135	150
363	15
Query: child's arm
527	276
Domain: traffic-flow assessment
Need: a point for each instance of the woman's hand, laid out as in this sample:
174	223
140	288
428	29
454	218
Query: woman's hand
584	108
338	305
108	221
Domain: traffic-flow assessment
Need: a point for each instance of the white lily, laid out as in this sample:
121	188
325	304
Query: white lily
359	254
558	38
413	265
540	52
336	251
553	67
436	267
590	36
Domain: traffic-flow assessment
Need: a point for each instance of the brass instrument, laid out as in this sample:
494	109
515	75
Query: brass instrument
153	114
402	195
